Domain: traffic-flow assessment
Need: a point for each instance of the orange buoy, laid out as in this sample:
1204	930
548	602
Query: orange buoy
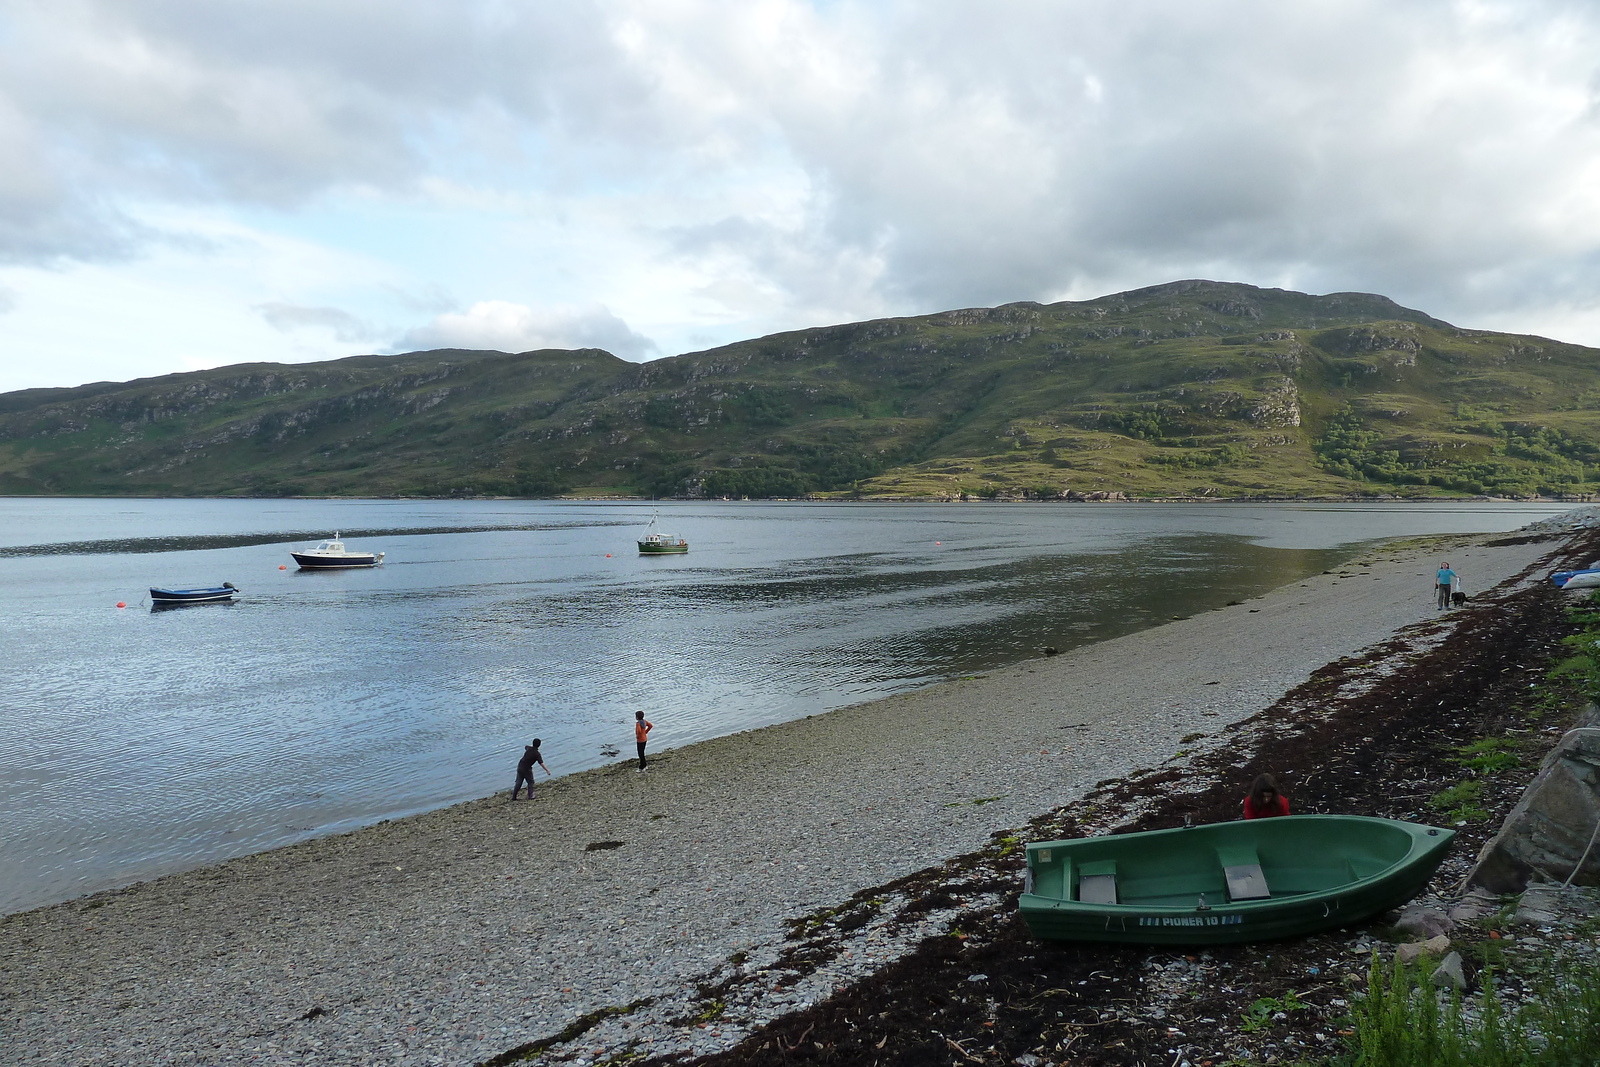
122	603
608	555
283	566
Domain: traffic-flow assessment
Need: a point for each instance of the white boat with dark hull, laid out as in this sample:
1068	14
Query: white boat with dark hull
332	555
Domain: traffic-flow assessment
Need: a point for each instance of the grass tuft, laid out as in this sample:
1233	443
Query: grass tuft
1404	1021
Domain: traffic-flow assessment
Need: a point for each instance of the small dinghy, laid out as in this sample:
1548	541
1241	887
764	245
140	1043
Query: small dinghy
1588	578
208	595
1251	880
332	555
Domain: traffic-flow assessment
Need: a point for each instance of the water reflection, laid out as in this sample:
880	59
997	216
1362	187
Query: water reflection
141	742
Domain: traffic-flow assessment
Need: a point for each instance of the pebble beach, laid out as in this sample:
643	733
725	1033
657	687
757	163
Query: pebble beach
459	935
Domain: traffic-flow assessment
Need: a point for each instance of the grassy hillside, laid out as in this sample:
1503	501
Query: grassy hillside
1187	389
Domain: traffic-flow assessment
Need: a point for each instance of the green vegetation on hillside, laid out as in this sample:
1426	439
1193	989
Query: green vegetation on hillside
1193	389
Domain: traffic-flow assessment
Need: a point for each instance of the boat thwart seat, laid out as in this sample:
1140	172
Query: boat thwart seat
1097	882
1242	868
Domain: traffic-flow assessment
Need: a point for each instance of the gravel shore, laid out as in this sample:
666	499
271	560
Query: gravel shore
457	935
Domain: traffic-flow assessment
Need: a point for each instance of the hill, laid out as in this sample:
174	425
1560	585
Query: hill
1193	388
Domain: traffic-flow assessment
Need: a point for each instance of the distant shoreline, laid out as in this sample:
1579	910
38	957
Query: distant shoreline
1377	498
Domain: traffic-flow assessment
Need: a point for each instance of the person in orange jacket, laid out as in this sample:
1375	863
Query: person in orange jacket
641	731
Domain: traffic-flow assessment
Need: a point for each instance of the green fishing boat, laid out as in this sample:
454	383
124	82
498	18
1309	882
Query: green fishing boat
656	543
1251	880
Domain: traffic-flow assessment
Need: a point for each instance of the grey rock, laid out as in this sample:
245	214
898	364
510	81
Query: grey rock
1552	825
1424	922
1434	946
1547	904
1450	973
1477	903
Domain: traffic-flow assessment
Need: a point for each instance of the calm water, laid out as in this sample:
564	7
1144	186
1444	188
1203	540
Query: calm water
136	742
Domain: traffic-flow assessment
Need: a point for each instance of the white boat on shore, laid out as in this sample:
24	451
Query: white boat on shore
332	555
1588	578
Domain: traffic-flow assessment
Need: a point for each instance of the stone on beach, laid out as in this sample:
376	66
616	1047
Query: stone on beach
1423	922
1451	973
1412	951
1554	826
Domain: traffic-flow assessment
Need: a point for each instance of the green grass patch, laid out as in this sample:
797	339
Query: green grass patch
1460	802
1265	1010
1491	755
1404	1021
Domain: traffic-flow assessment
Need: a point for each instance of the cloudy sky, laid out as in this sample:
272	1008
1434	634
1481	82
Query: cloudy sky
188	184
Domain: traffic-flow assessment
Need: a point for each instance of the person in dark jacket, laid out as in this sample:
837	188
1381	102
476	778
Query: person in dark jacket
1266	799
530	756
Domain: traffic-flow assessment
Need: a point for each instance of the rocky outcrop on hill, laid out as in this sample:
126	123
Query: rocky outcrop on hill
1193	389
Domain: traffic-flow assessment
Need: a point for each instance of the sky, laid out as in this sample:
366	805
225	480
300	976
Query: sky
188	184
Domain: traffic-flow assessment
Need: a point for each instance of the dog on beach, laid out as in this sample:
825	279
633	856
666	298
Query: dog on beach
1458	599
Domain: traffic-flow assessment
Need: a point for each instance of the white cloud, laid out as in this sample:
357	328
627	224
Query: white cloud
508	327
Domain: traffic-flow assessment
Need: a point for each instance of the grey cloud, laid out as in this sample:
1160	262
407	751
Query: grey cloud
953	154
1047	148
191	101
344	326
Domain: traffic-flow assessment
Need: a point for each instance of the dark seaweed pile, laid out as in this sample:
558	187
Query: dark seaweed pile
1377	735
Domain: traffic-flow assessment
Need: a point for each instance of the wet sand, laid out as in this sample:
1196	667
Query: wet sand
456	935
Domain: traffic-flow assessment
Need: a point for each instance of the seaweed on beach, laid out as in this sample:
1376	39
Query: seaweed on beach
1384	734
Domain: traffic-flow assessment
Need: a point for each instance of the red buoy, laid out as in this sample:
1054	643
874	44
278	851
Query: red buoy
283	566
122	603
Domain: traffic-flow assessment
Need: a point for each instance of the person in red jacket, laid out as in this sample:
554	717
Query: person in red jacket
1266	799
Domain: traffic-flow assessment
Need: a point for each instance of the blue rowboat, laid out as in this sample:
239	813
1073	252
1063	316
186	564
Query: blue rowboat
1584	579
207	595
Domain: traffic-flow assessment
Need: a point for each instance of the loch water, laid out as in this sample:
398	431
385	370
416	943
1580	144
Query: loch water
138	741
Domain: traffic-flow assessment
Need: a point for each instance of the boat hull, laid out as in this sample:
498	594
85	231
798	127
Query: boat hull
191	596
1323	871
662	548
1585	579
312	562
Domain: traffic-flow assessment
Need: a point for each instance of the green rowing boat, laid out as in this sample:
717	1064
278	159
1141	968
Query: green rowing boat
1251	880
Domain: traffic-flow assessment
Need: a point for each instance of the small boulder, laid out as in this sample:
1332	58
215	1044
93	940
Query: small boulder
1424	922
1548	904
1451	973
1415	950
1477	903
1550	828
